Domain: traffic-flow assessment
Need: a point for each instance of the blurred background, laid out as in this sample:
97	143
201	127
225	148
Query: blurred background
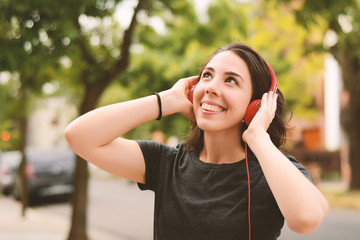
61	59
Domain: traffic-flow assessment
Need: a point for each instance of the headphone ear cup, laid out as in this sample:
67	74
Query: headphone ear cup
252	110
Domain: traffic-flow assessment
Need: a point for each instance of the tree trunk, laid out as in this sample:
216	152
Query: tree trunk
354	157
79	215
21	173
79	211
21	180
350	66
354	137
93	91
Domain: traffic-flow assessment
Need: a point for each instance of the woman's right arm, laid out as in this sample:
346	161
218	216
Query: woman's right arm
95	136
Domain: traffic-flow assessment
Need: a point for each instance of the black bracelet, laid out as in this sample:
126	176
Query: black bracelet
159	103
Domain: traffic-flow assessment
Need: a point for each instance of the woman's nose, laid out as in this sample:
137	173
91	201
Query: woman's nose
213	88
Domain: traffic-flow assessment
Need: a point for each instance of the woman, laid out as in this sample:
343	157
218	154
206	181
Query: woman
201	187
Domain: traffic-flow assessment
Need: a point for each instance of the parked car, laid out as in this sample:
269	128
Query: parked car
48	173
9	162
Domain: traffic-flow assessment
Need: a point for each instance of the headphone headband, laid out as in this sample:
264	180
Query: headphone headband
273	86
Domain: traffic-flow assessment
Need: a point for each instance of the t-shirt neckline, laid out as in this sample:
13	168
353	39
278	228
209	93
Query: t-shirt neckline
196	160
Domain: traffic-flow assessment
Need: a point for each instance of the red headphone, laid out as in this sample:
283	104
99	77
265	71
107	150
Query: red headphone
256	104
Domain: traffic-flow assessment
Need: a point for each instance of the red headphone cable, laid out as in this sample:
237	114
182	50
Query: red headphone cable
248	177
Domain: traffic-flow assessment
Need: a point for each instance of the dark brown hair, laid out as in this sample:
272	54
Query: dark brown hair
261	81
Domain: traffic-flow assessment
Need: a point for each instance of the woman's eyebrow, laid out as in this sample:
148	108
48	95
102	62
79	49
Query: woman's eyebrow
226	73
235	74
209	68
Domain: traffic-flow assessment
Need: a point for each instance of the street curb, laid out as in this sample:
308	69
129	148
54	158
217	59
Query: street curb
37	224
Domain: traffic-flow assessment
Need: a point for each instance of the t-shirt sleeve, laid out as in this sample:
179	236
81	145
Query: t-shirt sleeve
157	157
300	167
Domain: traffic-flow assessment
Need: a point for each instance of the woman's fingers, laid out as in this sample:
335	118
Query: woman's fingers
269	101
274	103
192	80
181	91
264	100
185	83
267	110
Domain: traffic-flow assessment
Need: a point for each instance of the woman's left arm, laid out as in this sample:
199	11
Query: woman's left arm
301	203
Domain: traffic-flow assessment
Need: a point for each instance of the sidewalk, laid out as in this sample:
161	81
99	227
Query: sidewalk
37	224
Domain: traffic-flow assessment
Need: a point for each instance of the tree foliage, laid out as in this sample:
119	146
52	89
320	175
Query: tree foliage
28	38
341	19
180	50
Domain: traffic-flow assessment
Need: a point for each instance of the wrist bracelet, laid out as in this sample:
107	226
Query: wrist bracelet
159	103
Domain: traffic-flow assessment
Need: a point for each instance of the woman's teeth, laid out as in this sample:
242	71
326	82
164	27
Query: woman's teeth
211	108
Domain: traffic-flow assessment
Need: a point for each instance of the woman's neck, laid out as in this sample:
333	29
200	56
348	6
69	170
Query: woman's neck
222	148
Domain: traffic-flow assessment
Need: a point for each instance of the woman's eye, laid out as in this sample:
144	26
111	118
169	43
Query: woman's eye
206	75
231	81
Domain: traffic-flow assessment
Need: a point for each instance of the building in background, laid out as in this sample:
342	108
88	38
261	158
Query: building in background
320	144
47	123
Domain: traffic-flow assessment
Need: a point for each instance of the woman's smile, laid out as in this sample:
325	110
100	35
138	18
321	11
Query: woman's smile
209	107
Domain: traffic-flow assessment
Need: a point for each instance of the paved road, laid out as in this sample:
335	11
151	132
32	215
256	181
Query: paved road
339	224
118	210
116	207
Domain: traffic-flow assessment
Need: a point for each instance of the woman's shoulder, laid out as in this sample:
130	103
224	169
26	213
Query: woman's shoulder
299	165
293	159
151	145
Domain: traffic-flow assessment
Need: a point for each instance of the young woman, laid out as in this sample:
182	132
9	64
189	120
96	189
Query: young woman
229	180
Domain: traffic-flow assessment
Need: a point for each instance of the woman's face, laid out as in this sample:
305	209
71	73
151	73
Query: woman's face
223	93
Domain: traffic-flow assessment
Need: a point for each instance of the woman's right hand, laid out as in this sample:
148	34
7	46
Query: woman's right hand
176	99
95	135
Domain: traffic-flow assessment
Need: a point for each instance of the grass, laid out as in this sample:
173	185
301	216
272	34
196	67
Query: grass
339	197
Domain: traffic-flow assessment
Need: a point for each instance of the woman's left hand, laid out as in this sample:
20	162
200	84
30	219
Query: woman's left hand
265	114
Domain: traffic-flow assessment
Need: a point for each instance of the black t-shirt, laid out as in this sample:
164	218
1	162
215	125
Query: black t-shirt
196	200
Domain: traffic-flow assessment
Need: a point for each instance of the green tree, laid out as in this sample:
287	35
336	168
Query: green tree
8	106
29	57
275	33
341	19
99	50
180	51
83	34
177	52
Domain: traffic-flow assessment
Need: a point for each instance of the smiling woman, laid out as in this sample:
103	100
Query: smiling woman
203	187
